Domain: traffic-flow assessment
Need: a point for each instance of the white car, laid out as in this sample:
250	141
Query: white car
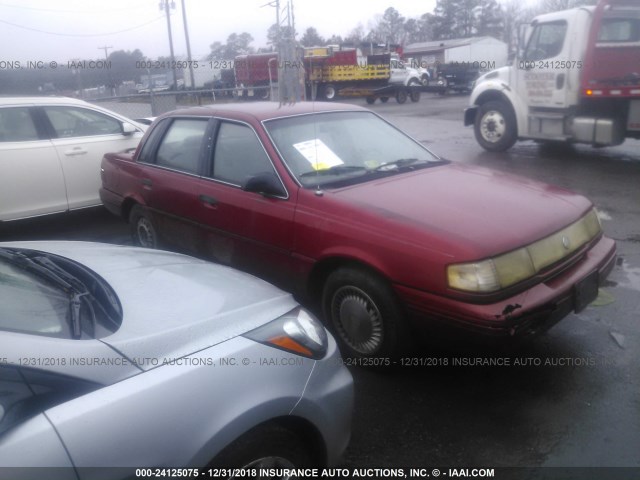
50	153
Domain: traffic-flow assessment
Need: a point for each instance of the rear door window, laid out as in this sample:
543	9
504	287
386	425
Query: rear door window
16	125
182	145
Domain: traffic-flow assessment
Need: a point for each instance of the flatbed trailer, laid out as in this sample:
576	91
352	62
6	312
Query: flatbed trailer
384	93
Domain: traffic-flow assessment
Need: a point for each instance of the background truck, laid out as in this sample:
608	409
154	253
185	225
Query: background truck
576	79
329	71
459	77
254	74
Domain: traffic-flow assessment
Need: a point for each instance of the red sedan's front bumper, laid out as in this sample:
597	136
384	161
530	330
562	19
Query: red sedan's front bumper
533	310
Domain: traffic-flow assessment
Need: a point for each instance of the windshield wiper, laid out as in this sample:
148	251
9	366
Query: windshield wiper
335	170
395	164
45	268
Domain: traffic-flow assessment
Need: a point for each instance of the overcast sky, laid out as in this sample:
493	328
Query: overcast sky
42	30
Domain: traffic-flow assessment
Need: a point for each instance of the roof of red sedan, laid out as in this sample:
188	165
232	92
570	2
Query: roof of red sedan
263	110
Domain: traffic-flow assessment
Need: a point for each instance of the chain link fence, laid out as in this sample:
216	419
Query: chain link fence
153	104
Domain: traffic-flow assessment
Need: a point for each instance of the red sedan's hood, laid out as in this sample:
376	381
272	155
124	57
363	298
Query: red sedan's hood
476	212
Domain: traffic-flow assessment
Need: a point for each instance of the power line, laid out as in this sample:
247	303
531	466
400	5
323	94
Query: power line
93	12
81	34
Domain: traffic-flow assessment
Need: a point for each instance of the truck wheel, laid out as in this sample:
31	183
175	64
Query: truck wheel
329	92
143	230
414	93
384	99
401	96
371	100
364	313
495	126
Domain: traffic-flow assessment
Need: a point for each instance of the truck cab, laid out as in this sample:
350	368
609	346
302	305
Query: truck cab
550	92
401	74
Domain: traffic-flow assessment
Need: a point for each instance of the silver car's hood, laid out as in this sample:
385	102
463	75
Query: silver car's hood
173	304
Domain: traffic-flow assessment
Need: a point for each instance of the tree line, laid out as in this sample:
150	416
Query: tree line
450	19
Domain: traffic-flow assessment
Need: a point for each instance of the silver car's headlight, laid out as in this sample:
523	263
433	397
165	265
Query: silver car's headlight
295	332
505	270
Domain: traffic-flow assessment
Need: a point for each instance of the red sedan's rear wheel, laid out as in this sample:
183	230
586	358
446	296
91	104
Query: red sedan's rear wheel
143	230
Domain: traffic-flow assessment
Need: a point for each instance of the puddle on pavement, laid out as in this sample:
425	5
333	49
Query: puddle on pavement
631	277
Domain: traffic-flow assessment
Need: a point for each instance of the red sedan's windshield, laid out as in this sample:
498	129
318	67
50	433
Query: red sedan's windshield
324	148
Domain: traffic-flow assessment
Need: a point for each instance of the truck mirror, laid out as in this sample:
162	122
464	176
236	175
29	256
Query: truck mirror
523	34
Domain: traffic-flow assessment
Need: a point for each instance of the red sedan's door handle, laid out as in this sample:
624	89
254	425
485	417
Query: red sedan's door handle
146	182
208	201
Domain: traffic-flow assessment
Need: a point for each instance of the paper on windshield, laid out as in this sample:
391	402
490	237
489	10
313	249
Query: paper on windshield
318	154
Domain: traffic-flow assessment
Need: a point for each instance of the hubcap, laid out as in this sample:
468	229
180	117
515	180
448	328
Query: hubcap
357	320
493	126
330	92
146	233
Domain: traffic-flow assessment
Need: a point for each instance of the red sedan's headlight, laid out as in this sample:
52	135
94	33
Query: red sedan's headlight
505	270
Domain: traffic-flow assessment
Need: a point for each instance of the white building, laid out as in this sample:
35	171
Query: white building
484	53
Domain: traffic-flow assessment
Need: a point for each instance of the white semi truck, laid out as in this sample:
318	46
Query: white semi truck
576	79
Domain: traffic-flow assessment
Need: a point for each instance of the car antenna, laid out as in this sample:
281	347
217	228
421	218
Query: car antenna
318	192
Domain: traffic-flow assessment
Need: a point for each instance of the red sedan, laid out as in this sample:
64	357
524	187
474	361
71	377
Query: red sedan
332	202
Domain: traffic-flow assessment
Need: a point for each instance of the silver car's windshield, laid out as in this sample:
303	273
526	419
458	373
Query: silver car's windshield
334	147
44	295
30	304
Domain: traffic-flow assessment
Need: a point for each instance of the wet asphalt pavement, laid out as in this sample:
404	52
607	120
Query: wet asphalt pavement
570	398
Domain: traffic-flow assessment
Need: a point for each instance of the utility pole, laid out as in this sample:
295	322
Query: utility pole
186	36
164	5
106	57
105	48
290	72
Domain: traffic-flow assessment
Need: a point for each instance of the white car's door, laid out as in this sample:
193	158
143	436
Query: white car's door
31	179
83	137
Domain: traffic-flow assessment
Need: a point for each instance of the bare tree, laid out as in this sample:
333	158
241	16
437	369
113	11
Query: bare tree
356	36
547	6
513	14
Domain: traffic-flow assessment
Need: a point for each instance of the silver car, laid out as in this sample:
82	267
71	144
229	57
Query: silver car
125	357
